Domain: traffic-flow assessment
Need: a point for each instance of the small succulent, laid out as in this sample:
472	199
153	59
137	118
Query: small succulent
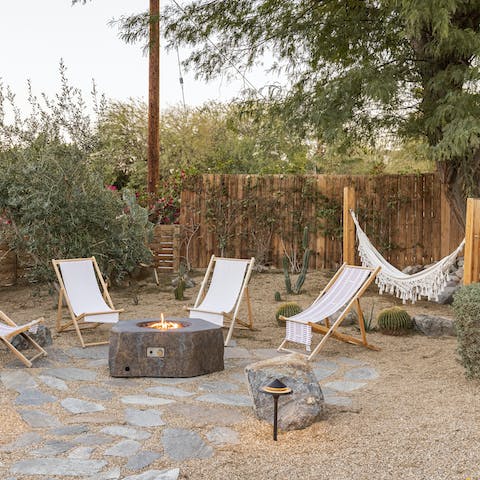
394	321
278	297
287	310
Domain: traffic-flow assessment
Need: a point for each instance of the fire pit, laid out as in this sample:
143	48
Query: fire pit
173	347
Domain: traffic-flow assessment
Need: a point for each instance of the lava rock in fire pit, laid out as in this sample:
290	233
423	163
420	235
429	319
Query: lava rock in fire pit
137	350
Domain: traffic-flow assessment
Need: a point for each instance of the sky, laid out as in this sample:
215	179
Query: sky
35	35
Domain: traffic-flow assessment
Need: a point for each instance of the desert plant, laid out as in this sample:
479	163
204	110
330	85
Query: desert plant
179	289
394	321
277	297
303	271
287	310
466	306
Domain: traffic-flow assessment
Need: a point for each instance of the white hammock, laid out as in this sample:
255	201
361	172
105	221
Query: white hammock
429	283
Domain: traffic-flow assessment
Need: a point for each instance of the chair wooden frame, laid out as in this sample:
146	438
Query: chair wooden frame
231	317
329	329
21	330
73	324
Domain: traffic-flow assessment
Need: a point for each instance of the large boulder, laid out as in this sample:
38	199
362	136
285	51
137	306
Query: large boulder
295	411
42	336
433	326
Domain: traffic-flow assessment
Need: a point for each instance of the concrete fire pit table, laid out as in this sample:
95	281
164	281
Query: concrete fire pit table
190	347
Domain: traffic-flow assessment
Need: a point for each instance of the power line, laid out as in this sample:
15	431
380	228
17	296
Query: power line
225	58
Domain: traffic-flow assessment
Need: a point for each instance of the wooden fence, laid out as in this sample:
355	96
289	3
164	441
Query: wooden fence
406	216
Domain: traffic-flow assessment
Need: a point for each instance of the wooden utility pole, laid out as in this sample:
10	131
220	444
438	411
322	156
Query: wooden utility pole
471	266
348	226
153	153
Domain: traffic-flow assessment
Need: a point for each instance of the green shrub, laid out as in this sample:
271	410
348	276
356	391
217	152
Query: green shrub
287	310
60	208
466	306
394	321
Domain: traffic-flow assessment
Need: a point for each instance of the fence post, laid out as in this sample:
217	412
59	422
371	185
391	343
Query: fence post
348	226
471	267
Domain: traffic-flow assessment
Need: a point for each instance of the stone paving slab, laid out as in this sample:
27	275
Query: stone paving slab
227	399
124	448
127	432
208	415
362	373
34	397
75	405
223	436
236	352
37	419
141	460
143	418
180	444
218	387
113	474
169	391
344	385
71	374
17	380
82	453
91	353
58	466
171	474
24	440
145	400
53	382
70	430
52	448
95	393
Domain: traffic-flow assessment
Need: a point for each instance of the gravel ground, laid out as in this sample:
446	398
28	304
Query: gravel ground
418	420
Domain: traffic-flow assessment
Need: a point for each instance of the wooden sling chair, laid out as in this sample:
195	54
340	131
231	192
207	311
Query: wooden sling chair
9	329
341	294
228	284
86	297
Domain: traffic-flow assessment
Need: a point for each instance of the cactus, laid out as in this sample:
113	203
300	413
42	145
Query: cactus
287	310
394	321
303	271
277	297
179	289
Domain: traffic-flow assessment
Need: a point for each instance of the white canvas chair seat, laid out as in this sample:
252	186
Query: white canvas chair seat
228	284
340	295
9	329
80	281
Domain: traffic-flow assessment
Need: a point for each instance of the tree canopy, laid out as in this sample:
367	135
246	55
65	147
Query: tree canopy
357	69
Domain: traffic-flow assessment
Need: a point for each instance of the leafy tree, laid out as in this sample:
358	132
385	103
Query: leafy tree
356	68
59	208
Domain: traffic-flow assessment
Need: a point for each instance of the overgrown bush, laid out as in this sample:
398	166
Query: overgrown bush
59	208
466	306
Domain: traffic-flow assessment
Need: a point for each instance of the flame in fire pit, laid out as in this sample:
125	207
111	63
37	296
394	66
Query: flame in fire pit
163	324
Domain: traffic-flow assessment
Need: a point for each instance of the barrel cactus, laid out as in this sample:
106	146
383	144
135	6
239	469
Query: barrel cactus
394	321
278	297
287	310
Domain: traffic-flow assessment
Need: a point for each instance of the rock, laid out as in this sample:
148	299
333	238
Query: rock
53	382
180	444
189	282
413	269
297	410
92	439
207	416
42	336
95	393
24	440
324	369
218	387
82	453
446	295
432	326
70	430
52	448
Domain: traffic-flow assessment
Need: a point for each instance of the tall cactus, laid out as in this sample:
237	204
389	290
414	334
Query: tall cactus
303	271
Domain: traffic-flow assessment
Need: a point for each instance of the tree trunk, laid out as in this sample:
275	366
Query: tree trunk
153	99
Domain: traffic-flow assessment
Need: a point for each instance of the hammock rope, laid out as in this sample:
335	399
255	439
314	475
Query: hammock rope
429	282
